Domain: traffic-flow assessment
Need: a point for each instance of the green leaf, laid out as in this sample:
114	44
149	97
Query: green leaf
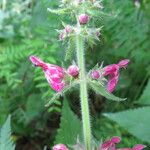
99	89
145	97
70	126
57	11
5	136
136	121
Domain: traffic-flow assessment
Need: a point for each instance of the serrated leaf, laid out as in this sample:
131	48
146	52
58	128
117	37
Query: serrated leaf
145	97
99	89
136	121
70	127
5	136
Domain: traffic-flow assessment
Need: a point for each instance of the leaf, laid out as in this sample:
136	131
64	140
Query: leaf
5	136
99	89
57	11
70	126
136	121
145	97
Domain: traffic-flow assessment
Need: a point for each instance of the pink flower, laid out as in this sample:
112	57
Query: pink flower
62	36
112	71
54	74
73	70
60	147
136	147
68	29
65	32
83	18
95	74
110	144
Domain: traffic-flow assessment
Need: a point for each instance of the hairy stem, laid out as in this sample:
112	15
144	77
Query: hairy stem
83	91
4	4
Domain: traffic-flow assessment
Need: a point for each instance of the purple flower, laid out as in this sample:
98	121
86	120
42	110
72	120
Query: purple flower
83	18
60	147
53	73
73	70
112	71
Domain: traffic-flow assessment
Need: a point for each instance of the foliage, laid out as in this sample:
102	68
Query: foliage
103	92
144	99
136	121
70	127
5	136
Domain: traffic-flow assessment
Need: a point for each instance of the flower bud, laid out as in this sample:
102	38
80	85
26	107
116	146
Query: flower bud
95	74
98	33
68	29
73	70
61	36
60	147
83	18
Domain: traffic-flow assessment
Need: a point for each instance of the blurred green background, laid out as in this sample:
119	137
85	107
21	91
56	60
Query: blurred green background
26	28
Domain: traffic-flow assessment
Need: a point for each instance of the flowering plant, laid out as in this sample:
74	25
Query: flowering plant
103	80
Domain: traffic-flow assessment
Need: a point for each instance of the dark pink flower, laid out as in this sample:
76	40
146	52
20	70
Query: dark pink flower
112	71
136	147
83	18
73	70
110	144
60	147
53	73
95	74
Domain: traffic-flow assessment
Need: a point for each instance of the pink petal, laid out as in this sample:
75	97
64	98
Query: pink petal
38	62
58	87
60	147
138	147
115	139
112	83
106	144
123	63
124	149
110	69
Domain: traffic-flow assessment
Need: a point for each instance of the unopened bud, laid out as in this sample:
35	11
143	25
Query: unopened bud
60	147
95	74
83	18
61	36
68	29
73	70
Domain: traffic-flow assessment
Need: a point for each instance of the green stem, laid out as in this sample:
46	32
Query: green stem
4	5
83	91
